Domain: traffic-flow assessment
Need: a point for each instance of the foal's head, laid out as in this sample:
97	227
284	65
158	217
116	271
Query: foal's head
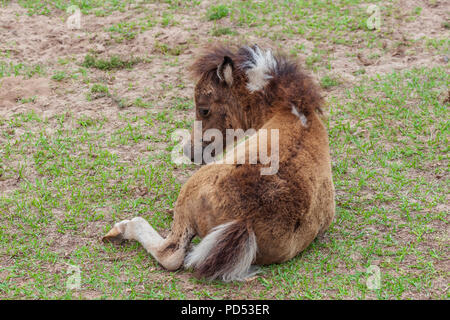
241	90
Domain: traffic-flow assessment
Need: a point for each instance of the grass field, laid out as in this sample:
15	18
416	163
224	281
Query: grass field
86	117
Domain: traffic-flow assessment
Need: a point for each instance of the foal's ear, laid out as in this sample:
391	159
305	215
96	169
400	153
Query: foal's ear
225	71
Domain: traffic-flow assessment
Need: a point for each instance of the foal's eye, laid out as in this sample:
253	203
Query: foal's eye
204	112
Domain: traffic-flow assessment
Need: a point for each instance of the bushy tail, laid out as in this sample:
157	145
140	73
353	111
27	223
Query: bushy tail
226	253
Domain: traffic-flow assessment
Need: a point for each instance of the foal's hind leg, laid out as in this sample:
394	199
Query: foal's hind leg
169	252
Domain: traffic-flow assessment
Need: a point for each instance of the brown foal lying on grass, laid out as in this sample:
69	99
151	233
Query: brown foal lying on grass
246	217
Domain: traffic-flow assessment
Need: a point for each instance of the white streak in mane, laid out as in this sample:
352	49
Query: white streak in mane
300	115
258	68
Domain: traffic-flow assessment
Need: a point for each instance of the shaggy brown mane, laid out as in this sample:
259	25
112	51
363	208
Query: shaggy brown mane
289	83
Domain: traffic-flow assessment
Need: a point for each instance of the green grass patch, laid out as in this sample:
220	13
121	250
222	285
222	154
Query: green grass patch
328	82
114	62
217	12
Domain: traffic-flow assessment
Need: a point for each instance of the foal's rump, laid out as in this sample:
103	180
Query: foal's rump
258	220
247	218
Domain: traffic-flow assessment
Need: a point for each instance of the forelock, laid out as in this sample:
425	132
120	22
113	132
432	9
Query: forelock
209	60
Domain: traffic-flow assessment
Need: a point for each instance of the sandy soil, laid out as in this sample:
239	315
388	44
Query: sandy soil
41	39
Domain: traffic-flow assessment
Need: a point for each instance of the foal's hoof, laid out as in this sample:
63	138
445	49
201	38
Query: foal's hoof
116	234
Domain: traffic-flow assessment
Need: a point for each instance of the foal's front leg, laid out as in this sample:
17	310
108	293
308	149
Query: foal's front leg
169	252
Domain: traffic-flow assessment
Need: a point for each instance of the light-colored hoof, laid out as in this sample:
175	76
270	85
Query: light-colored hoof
116	234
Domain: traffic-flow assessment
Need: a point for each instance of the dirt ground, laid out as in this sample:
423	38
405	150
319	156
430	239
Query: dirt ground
43	40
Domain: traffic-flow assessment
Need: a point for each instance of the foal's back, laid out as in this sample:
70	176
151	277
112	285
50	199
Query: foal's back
285	210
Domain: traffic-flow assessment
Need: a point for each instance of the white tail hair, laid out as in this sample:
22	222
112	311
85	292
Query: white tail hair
223	256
